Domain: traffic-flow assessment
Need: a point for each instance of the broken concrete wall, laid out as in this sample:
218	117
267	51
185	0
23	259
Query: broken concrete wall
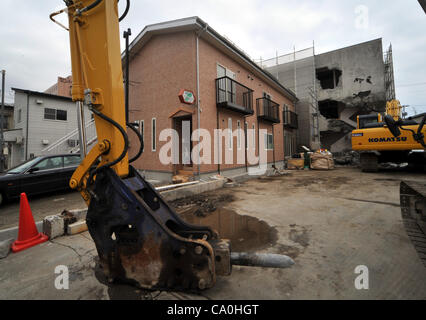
350	82
362	75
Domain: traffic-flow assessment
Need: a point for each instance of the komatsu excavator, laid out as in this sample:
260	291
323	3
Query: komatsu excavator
412	193
139	238
377	145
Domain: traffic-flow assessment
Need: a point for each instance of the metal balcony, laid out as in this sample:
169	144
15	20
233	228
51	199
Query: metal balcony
268	110
290	120
234	96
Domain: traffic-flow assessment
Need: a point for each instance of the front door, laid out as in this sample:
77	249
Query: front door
183	127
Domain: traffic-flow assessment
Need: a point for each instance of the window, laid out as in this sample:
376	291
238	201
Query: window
226	87
50	163
238	134
221	71
142	129
254	136
246	134
19	115
61	115
54	114
72	161
154	134
230	137
269	141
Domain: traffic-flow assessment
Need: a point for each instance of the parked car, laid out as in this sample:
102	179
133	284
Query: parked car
42	174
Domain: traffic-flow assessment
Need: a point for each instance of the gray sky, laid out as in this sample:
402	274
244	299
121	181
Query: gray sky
34	51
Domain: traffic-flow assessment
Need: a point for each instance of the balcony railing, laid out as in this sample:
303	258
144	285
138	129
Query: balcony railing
234	96
290	119
268	110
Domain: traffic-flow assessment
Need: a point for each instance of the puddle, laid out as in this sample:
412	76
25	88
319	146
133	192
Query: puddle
246	233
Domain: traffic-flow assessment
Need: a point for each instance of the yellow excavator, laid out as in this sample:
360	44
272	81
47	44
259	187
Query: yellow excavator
412	193
377	145
396	140
139	238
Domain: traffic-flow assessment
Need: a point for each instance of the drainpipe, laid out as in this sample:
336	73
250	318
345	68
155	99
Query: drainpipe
245	141
219	151
198	90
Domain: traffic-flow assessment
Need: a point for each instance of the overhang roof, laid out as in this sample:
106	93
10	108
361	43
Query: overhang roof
42	94
210	35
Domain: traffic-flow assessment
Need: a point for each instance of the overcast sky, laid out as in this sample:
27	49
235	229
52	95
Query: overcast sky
34	51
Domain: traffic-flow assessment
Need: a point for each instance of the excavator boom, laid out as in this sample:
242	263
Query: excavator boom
139	238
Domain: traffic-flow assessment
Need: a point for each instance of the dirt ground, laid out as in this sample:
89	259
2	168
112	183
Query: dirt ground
329	222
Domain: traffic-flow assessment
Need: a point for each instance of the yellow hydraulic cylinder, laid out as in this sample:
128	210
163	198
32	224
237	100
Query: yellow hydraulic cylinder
97	71
393	108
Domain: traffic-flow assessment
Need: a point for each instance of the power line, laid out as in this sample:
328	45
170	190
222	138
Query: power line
412	84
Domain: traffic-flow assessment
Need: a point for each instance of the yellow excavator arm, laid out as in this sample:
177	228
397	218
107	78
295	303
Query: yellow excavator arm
138	236
98	82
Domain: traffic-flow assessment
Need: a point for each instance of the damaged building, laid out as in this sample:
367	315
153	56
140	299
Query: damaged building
334	88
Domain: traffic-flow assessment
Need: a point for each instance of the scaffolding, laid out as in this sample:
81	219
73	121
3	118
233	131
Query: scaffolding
389	75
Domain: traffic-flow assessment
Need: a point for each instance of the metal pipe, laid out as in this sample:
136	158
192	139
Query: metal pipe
81	129
199	33
266	260
126	36
3	72
172	186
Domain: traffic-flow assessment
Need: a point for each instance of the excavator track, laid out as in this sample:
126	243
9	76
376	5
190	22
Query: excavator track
413	210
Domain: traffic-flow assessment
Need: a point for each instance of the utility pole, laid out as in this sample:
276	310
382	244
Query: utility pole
3	73
126	36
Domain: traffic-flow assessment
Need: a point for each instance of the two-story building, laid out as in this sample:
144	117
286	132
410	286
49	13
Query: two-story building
231	92
41	119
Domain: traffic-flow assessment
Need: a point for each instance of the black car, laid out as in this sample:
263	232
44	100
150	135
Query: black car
39	175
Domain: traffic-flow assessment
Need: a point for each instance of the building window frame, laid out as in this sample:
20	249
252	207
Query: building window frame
230	134
55	114
254	136
269	141
239	134
142	128
154	134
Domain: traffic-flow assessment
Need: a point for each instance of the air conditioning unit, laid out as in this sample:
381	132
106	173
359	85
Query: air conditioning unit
19	140
45	142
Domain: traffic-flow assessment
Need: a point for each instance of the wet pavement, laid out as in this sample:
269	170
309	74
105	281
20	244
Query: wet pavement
330	222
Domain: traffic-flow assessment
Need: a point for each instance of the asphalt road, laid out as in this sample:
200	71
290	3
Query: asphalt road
41	206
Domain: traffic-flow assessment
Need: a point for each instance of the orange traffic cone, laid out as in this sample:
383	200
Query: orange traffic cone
28	234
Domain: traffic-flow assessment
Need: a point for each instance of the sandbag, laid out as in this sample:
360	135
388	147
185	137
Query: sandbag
322	161
295	164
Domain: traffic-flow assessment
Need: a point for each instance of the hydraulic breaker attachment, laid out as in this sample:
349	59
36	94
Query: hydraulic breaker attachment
141	240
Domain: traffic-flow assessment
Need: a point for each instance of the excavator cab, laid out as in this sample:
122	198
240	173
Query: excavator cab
369	121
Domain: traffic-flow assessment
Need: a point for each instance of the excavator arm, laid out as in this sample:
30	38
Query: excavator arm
139	238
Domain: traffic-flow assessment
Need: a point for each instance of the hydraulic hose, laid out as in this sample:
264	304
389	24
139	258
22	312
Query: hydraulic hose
125	11
125	149
141	145
89	7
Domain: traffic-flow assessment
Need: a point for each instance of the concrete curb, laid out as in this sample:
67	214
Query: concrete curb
43	226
